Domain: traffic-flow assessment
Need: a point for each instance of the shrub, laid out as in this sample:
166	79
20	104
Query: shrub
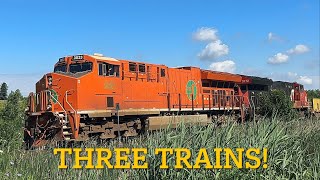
276	102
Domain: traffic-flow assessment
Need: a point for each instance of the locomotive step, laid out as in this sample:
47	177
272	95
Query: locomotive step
68	139
66	133
66	127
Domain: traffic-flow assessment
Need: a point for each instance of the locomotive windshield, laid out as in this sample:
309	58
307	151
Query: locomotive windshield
80	67
60	68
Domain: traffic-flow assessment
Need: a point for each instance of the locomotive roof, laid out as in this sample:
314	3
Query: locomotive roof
100	57
220	76
260	80
282	82
185	67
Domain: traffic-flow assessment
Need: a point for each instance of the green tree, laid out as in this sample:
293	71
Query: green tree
276	102
4	91
14	107
11	119
313	94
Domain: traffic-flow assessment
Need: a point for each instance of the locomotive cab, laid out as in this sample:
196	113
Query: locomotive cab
59	94
299	97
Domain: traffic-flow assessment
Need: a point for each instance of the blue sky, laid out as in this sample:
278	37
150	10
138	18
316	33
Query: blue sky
276	39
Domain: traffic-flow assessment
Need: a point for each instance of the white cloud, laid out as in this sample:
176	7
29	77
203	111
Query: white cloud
224	66
299	49
310	82
304	80
206	34
292	75
274	37
278	59
214	50
271	36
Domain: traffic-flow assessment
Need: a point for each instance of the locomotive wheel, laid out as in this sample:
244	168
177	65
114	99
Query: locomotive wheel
28	141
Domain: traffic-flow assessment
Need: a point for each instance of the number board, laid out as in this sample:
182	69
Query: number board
77	58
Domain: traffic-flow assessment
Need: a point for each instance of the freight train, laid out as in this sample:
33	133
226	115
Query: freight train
253	87
90	96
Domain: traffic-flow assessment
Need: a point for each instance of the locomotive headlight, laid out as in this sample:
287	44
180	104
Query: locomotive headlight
49	80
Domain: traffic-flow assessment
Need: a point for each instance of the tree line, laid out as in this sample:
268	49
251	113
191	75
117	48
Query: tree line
315	93
11	116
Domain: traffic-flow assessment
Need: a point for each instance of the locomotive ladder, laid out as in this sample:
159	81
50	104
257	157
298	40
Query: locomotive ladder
66	128
63	119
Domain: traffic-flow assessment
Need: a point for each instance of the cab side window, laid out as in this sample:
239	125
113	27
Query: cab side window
113	70
163	72
132	67
106	69
142	68
102	69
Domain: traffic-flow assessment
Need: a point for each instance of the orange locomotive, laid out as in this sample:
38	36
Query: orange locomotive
96	96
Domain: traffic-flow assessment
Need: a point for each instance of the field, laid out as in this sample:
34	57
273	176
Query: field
293	153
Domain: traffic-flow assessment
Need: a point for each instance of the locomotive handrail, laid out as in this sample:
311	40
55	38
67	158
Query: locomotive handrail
65	112
254	108
75	112
225	104
69	103
56	101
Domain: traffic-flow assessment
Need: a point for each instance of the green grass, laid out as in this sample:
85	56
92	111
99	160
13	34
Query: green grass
293	153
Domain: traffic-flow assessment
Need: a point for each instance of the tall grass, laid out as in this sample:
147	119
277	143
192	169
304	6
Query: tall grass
293	153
